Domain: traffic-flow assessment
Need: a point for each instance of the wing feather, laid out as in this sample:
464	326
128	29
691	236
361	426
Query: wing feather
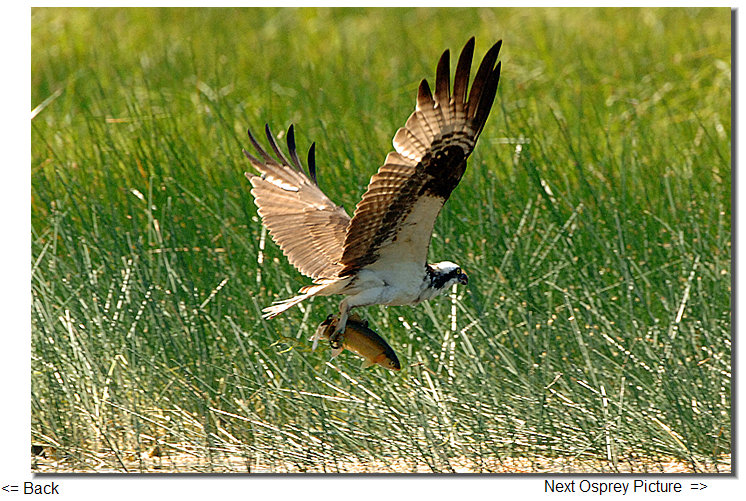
309	228
483	77
395	218
275	148
443	79
294	152
463	67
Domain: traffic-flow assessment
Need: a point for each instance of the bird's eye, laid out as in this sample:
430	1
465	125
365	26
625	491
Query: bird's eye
458	271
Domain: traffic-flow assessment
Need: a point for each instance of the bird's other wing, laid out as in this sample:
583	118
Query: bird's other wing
394	220
309	228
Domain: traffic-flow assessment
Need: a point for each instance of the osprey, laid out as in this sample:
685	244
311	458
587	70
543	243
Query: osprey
379	256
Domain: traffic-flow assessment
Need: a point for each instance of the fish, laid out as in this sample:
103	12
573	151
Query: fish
359	338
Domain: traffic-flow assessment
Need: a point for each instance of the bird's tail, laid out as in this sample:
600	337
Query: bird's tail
280	306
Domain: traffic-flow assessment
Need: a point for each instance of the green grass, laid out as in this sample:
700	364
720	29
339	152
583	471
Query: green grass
594	222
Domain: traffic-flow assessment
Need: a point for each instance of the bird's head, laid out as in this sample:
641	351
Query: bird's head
444	274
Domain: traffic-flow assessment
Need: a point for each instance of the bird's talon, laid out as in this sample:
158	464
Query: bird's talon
336	340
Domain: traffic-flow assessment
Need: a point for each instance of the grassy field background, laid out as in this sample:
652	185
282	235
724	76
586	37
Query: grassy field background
594	221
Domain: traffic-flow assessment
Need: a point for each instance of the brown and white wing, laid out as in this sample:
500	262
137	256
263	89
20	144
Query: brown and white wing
309	228
394	220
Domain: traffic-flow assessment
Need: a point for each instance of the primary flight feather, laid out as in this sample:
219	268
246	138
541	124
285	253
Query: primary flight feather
379	256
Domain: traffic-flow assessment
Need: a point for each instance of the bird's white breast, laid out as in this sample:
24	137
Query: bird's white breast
399	276
396	284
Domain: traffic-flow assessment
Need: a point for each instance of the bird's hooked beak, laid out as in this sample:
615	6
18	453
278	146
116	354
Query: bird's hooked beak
463	278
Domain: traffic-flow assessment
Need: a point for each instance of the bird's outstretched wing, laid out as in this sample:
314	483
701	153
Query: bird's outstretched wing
394	220
309	228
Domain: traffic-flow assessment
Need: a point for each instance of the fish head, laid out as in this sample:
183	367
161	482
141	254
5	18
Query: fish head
329	320
326	327
324	330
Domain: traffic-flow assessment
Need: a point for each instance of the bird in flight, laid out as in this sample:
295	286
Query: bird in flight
379	255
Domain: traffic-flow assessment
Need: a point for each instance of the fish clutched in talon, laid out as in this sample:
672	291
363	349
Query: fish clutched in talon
359	338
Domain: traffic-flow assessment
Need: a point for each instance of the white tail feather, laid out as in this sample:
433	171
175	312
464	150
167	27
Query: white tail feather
280	306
